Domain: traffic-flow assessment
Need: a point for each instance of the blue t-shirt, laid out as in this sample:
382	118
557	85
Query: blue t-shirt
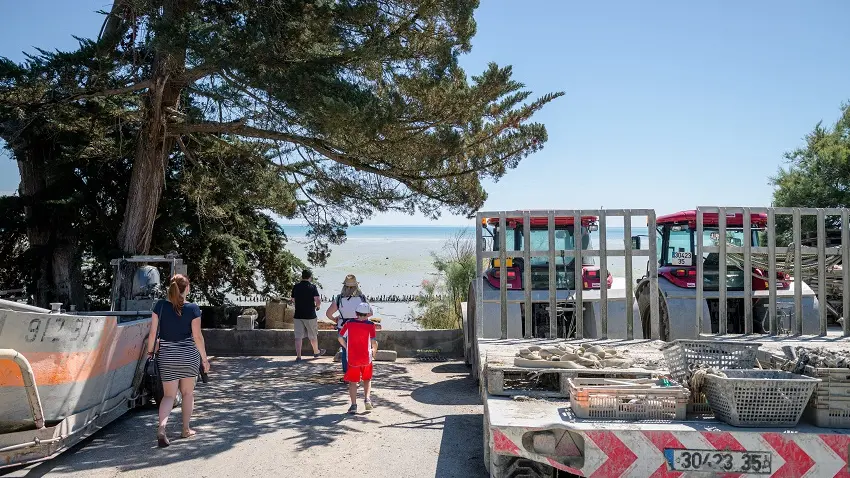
173	327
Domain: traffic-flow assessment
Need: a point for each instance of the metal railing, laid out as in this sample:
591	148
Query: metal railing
797	249
603	252
30	387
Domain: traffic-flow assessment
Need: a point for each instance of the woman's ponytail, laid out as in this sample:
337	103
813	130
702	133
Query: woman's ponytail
175	292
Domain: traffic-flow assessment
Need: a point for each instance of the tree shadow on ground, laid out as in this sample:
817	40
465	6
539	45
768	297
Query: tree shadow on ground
245	398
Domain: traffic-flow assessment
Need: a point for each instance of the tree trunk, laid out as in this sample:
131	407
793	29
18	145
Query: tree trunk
58	271
155	145
66	270
32	189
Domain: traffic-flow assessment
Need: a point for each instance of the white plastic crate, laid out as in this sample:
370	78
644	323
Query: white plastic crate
627	399
829	406
759	398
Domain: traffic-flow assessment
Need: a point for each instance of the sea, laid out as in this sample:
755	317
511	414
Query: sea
437	233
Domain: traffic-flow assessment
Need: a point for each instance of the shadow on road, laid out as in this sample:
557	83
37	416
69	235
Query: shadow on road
250	397
451	463
454	367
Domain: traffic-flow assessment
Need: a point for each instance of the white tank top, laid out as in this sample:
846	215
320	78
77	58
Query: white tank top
348	305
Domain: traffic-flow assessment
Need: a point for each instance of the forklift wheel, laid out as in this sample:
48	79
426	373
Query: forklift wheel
502	466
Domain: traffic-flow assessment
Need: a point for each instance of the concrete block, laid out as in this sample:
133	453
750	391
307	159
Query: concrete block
245	322
386	356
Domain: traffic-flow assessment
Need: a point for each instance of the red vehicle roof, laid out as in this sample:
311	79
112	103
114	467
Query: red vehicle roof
542	221
710	219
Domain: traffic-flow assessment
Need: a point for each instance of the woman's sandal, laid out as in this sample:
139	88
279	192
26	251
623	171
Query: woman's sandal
188	434
161	438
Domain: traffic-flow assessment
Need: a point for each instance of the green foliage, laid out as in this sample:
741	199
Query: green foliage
327	111
438	305
216	212
817	175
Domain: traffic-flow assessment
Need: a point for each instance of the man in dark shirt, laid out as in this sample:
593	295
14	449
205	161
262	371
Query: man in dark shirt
307	302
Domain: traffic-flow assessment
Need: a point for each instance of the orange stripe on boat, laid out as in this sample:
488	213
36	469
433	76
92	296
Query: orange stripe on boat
118	347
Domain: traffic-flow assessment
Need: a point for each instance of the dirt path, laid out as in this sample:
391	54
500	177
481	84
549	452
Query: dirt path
263	416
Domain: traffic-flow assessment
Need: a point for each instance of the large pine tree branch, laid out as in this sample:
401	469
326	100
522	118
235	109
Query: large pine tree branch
142	85
189	76
115	25
241	129
415	183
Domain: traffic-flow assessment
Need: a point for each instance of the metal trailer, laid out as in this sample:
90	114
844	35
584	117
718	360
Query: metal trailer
64	376
538	437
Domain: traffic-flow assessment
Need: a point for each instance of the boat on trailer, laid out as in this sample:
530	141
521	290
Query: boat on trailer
66	375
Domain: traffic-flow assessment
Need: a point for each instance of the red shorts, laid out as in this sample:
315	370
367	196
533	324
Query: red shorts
356	374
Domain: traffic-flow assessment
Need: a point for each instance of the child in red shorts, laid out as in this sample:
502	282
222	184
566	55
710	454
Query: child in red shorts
358	337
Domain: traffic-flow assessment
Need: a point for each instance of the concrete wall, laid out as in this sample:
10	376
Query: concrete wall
282	342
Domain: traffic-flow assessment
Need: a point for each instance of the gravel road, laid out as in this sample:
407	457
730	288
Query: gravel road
267	416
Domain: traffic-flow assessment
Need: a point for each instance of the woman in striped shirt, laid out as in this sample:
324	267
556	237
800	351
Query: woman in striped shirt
181	352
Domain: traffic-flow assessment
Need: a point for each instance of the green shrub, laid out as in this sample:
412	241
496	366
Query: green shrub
438	305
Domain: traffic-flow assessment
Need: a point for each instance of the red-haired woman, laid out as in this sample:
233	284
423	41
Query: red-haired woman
181	352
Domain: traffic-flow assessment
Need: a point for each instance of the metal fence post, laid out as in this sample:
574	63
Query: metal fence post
577	263
526	273
553	311
603	273
771	259
478	290
748	272
798	274
700	282
721	271
503	274
627	243
845	271
654	313
821	218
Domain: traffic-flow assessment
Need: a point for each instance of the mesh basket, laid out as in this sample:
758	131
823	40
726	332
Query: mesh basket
759	398
627	399
682	355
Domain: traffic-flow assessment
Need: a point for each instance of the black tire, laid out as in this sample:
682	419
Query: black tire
642	294
502	466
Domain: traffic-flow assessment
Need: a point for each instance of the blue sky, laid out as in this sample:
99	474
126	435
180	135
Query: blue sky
668	104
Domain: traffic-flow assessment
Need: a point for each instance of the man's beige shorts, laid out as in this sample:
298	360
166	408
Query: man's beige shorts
306	328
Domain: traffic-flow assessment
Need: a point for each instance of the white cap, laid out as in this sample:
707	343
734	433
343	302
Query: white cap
363	308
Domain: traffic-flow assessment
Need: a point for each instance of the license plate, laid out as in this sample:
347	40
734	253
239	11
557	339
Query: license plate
683	259
756	463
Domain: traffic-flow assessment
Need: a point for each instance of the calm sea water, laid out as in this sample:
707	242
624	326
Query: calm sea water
615	234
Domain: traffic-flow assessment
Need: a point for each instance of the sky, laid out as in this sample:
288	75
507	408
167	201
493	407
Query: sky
668	104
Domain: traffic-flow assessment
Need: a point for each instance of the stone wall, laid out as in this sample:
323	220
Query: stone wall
230	342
